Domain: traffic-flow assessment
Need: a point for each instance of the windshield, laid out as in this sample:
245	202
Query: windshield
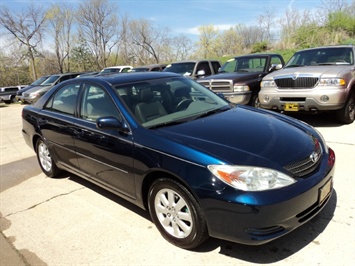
185	69
110	70
322	56
168	101
50	81
244	64
39	81
139	69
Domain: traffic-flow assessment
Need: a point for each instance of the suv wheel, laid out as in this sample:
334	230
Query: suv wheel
346	114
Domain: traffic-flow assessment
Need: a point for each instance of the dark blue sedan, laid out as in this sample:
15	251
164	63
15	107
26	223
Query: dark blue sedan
201	165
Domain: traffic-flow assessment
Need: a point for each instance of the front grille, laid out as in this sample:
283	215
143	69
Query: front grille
218	85
299	82
267	231
26	95
307	165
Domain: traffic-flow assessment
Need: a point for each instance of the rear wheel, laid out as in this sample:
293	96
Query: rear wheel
45	159
346	114
177	214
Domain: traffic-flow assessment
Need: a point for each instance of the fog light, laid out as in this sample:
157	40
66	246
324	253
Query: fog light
324	98
266	98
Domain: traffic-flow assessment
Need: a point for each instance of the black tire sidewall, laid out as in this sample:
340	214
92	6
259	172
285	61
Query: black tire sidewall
343	115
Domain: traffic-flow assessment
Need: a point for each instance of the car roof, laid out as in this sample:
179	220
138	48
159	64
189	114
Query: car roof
256	55
124	78
194	61
117	67
150	66
329	46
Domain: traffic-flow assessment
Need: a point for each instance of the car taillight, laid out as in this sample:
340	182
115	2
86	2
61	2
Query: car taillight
331	158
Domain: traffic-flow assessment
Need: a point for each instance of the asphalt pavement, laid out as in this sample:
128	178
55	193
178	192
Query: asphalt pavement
68	221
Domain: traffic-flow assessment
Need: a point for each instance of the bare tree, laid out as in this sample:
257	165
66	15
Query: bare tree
249	34
182	48
148	40
290	23
26	28
98	25
266	22
333	5
61	19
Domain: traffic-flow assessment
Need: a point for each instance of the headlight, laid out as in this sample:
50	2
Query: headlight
250	178
268	83
240	87
332	82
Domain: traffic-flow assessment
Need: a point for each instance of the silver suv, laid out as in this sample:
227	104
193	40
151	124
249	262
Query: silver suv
314	80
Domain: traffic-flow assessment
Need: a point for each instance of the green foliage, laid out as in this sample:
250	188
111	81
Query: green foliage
259	47
341	21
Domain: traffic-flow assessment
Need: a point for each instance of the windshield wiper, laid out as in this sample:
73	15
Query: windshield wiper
170	123
295	66
212	112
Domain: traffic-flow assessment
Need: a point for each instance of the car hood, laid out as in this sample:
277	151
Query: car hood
246	136
37	88
325	71
237	76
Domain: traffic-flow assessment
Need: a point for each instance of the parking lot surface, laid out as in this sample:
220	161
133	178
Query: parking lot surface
68	221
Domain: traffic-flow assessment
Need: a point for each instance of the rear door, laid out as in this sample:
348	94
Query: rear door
56	124
104	156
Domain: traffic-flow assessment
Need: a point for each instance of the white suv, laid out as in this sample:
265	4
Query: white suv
115	70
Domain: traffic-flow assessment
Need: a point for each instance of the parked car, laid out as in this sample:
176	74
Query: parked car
192	165
239	78
315	80
115	70
19	93
152	67
89	73
8	94
33	94
194	68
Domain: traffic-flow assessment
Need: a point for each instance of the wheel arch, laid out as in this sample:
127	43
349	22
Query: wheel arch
157	174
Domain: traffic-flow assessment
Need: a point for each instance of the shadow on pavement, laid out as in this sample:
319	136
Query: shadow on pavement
274	251
121	201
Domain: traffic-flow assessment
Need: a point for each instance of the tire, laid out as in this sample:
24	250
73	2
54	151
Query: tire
45	159
346	114
255	101
184	226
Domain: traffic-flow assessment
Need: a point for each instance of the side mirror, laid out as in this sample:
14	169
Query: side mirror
110	122
275	67
200	73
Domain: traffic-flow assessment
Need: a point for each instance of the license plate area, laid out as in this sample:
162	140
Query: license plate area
325	191
294	107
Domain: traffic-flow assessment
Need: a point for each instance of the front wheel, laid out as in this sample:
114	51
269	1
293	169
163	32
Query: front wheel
45	159
346	115
177	214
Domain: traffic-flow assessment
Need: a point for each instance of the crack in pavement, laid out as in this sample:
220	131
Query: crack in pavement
38	204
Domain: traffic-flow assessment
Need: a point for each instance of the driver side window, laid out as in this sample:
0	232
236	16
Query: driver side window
97	103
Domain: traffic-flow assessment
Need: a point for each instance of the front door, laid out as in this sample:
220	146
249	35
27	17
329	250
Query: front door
103	155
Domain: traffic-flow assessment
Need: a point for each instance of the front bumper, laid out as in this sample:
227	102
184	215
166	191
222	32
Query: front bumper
254	224
237	97
317	99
